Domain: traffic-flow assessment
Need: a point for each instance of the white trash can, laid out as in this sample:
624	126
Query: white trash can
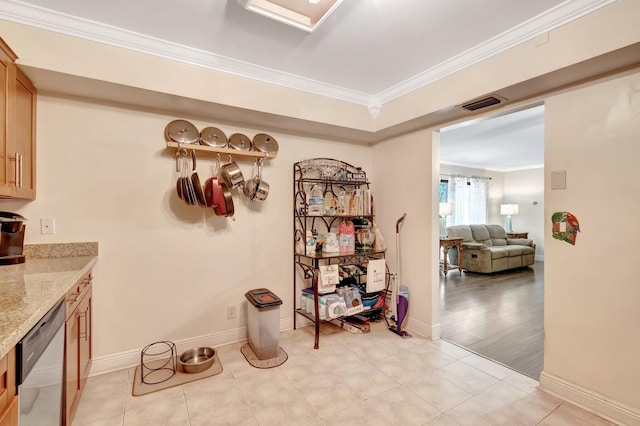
263	322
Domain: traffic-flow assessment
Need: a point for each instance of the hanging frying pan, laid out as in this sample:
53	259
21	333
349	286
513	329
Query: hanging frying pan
195	180
178	172
228	201
219	204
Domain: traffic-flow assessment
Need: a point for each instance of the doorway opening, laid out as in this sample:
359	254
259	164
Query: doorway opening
486	164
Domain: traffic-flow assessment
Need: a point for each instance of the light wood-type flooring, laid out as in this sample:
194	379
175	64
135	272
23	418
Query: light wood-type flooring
499	316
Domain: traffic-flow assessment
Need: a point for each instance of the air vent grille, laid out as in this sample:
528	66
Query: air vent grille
481	103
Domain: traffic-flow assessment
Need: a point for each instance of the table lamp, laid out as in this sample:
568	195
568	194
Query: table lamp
508	209
444	210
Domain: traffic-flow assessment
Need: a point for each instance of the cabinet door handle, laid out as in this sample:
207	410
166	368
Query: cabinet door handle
74	297
16	170
83	335
87	319
20	167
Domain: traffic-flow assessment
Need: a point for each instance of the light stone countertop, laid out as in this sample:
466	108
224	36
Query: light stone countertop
30	289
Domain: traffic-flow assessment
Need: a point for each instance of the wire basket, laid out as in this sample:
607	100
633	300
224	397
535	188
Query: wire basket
158	362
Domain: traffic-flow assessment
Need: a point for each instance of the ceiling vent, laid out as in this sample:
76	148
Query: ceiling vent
483	103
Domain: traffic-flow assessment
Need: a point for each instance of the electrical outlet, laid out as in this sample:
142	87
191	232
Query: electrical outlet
231	312
47	226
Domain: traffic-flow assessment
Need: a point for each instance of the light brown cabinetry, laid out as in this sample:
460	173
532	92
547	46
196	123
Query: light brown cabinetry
17	129
8	397
78	349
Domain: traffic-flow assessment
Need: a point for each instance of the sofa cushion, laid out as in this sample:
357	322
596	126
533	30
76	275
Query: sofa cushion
499	252
519	241
527	250
496	231
460	231
481	235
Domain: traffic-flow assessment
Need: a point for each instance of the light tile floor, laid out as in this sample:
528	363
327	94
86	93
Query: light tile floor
353	379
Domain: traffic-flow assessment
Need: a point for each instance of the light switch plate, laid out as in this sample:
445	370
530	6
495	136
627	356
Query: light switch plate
559	179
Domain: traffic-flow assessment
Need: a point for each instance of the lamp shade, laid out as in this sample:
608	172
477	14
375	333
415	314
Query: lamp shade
445	209
508	209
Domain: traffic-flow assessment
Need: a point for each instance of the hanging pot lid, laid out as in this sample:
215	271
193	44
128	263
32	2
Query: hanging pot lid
240	142
182	131
212	136
265	143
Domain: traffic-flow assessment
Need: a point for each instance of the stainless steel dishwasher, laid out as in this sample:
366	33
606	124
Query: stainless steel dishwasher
39	365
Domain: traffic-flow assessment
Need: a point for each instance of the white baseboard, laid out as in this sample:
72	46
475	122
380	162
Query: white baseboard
591	401
539	258
420	328
123	360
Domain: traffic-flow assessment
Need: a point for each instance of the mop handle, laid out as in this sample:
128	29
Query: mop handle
399	221
397	280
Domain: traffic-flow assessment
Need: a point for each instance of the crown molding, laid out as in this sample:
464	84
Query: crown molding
39	17
551	19
46	19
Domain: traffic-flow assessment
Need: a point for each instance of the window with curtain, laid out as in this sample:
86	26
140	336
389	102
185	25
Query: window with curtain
470	198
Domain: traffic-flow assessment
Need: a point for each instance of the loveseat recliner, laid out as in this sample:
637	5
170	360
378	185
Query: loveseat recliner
486	249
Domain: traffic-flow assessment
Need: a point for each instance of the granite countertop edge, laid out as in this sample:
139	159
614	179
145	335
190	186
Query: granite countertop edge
31	289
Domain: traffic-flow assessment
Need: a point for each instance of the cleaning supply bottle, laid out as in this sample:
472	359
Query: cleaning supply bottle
351	239
343	242
316	202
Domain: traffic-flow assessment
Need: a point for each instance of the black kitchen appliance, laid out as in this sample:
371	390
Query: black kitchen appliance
11	238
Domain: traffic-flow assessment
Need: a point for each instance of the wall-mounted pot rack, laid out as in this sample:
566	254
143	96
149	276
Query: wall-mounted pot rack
214	151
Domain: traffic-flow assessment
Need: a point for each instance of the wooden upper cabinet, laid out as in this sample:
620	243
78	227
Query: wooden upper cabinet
17	128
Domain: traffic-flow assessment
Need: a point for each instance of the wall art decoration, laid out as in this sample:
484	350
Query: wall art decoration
565	227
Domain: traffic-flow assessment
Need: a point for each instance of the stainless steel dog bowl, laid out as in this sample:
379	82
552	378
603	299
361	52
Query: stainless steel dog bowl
197	360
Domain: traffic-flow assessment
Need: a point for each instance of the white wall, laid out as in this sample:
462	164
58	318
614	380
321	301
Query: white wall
592	296
405	176
165	270
524	188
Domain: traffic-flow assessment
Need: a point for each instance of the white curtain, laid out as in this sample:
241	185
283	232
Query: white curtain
469	197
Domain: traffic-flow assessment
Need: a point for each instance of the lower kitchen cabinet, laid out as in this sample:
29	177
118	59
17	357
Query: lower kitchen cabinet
8	397
9	416
78	349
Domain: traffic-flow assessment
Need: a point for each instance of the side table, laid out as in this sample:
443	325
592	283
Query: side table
445	245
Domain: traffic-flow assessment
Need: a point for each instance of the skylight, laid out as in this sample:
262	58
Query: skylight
306	15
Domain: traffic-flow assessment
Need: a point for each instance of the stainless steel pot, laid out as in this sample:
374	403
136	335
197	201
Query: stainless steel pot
249	187
262	190
262	187
231	174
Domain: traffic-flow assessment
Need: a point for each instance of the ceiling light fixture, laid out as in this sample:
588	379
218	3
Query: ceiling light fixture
306	16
